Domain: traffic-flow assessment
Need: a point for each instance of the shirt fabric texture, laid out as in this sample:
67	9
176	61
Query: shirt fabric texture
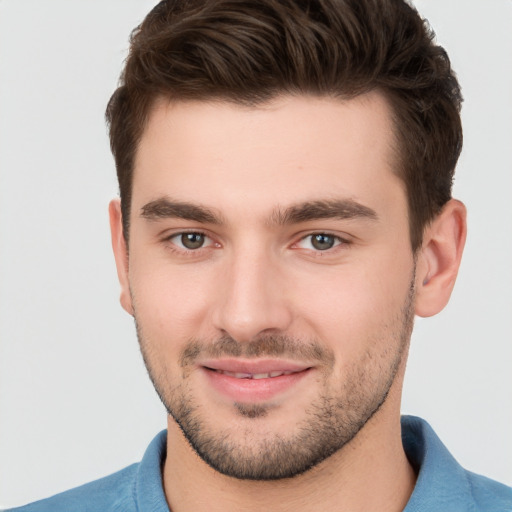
442	484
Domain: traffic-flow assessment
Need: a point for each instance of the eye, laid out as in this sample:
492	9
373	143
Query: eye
319	242
191	241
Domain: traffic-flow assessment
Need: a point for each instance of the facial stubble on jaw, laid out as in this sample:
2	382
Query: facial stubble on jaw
330	422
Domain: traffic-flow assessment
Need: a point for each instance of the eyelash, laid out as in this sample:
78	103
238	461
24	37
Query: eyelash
339	243
184	251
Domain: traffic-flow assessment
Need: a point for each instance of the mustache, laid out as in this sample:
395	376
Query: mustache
264	345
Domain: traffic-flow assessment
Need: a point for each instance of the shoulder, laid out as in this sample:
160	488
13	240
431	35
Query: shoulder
489	495
109	494
137	487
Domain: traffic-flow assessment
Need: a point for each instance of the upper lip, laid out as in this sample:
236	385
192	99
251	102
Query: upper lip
258	366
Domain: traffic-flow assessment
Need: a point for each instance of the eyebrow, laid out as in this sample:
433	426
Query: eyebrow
165	208
341	209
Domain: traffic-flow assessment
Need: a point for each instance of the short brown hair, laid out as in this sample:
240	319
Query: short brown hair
250	51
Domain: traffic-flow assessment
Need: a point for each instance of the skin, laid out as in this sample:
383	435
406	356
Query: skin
259	278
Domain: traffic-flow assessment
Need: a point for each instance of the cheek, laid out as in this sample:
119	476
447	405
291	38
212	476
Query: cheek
357	306
170	301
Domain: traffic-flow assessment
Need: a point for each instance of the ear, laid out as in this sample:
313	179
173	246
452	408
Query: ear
120	253
439	259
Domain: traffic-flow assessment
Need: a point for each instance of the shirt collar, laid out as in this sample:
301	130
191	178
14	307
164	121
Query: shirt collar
149	491
442	483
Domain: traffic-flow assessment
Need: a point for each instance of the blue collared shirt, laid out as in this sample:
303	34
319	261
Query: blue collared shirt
442	485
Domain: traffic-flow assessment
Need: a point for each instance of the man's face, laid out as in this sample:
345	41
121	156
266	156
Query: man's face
270	275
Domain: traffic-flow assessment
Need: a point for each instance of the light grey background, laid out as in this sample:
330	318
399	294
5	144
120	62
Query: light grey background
75	402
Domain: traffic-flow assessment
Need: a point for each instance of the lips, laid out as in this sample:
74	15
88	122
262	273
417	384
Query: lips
242	375
253	381
253	367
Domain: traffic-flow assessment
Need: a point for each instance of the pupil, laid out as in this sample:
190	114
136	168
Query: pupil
192	240
322	242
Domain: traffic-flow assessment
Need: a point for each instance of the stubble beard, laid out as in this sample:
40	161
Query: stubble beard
331	422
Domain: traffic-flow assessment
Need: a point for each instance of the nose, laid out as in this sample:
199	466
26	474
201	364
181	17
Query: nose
252	297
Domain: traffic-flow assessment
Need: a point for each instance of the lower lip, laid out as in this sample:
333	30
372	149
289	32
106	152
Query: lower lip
253	390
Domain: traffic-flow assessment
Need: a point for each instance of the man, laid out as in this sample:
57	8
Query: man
285	173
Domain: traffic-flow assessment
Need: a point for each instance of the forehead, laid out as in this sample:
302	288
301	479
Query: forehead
294	148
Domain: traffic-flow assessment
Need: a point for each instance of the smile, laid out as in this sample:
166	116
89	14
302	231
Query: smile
239	375
253	381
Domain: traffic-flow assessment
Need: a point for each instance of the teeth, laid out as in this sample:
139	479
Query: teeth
254	375
239	375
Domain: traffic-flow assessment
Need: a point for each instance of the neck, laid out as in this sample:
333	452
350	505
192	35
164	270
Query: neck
370	473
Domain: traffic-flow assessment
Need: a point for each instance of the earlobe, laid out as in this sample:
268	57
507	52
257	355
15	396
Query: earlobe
439	259
120	249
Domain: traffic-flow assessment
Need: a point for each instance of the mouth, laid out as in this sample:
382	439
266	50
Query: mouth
253	381
243	375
